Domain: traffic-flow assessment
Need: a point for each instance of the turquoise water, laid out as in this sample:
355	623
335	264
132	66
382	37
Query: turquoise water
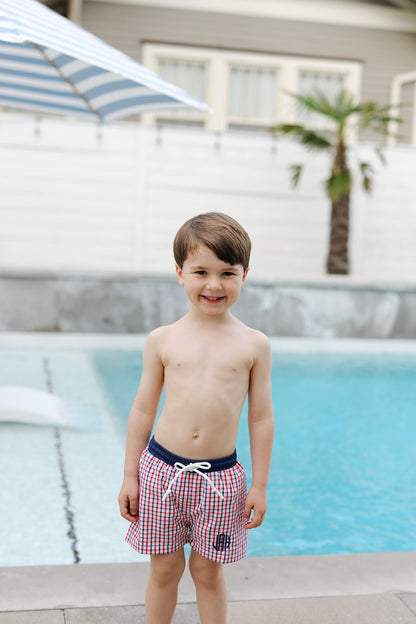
343	478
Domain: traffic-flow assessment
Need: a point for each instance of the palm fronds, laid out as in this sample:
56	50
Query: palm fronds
309	138
338	185
340	110
367	171
295	174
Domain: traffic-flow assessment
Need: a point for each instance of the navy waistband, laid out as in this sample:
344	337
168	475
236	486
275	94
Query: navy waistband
220	463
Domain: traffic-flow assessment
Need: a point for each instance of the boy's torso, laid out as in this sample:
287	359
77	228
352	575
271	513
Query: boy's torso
206	378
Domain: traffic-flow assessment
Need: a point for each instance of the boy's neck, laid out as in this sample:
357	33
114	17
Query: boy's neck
197	316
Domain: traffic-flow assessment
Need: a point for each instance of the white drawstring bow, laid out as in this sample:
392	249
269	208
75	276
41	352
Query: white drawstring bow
192	467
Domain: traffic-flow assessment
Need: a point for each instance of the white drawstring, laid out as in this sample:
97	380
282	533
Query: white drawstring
192	467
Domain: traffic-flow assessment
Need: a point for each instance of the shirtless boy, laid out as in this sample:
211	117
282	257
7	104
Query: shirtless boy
191	488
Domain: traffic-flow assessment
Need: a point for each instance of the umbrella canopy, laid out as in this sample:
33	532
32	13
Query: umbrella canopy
49	64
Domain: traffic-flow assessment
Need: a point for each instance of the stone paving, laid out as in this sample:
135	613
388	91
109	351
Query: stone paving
330	589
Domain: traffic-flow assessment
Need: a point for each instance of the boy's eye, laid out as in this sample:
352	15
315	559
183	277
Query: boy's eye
200	272
228	273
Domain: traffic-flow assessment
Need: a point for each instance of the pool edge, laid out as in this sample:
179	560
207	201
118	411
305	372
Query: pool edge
34	588
136	341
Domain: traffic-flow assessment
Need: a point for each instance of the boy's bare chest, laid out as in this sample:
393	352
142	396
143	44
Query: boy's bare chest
208	360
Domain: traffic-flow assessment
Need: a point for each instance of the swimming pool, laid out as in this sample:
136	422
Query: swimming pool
343	473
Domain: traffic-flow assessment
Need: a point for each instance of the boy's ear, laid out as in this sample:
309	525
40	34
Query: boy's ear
245	274
179	274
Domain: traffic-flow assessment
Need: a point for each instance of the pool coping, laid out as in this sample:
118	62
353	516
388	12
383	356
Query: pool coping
34	588
136	342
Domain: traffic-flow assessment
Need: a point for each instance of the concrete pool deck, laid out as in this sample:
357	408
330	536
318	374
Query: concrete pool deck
327	589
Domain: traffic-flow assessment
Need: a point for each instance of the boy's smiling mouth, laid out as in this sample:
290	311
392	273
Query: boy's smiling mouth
212	299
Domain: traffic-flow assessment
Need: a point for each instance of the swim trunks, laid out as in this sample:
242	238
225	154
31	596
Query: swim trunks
194	502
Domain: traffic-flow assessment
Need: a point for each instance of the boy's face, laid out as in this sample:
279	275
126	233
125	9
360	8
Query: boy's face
211	285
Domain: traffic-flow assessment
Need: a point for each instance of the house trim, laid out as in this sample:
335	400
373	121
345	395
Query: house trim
337	13
218	63
398	82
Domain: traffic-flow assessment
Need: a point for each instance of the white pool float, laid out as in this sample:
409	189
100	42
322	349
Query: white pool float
20	404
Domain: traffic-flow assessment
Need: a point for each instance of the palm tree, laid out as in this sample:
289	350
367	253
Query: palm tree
342	112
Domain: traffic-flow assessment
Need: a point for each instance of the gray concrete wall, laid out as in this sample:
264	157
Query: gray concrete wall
114	304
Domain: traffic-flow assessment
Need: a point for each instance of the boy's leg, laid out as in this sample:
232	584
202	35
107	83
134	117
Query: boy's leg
211	592
162	589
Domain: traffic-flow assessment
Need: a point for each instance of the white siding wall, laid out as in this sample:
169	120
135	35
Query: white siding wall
76	198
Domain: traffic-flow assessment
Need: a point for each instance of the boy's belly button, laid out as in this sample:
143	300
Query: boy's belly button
195	435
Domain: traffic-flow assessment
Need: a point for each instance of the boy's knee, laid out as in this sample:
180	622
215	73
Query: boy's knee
204	571
167	569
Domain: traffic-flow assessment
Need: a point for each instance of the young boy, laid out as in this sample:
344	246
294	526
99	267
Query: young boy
191	488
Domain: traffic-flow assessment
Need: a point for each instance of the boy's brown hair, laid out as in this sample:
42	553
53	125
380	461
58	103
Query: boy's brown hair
220	233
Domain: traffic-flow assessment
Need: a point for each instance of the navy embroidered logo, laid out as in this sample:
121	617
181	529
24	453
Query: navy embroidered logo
222	542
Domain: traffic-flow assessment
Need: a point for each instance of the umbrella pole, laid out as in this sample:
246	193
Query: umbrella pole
67	80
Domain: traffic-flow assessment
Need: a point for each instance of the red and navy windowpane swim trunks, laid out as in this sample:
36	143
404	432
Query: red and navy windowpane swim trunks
194	502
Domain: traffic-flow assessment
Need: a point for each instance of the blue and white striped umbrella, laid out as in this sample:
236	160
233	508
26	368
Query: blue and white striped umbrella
49	64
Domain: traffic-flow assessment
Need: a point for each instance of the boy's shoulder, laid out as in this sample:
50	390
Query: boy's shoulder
258	338
251	340
160	334
255	334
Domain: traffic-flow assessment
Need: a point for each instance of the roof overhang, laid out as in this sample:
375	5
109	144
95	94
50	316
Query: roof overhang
405	4
341	13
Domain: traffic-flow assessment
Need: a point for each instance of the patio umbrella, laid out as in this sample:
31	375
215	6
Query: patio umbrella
49	64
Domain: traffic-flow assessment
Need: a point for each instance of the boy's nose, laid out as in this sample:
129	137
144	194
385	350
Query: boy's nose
214	283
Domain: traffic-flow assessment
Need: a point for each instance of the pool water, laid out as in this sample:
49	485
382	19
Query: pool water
343	476
344	466
43	502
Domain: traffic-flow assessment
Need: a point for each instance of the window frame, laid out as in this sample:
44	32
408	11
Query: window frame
218	63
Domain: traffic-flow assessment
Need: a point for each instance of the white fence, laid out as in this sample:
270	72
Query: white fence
77	198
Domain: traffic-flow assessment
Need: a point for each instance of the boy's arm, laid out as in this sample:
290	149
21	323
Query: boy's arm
261	431
141	420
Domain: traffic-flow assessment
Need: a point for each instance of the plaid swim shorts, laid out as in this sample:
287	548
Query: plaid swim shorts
184	501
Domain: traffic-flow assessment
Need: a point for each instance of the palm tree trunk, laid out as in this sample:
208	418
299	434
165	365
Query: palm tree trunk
338	260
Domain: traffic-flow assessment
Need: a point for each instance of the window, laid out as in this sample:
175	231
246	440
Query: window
328	83
251	95
188	75
245	90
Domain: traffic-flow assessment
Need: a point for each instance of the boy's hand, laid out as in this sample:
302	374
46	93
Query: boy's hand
256	501
128	499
